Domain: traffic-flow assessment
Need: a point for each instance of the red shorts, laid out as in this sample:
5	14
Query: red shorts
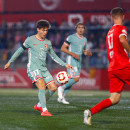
118	78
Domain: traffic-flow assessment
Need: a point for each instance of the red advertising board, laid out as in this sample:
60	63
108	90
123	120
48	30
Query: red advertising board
58	5
95	80
103	18
125	4
14	79
85	83
1	5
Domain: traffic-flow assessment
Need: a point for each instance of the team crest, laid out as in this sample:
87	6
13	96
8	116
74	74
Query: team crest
46	45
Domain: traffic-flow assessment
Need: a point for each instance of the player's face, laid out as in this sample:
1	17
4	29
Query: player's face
80	29
42	32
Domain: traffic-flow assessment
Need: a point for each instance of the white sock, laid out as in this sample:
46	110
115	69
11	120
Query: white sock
63	86
39	104
44	109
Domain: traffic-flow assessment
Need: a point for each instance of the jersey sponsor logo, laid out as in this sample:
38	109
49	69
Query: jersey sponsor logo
124	31
34	44
75	42
46	45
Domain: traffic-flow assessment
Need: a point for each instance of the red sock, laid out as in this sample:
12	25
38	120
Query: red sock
100	106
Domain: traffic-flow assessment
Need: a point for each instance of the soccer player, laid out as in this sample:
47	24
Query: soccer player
119	65
38	47
75	45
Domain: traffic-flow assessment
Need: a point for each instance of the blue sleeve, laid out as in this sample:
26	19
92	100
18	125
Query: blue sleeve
16	54
55	57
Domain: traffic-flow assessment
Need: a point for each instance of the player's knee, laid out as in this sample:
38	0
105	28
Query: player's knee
76	79
115	101
53	88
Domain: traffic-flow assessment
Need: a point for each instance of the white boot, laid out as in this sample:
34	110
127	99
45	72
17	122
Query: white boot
87	117
60	92
64	101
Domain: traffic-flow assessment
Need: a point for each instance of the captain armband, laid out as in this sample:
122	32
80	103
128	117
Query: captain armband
67	43
24	47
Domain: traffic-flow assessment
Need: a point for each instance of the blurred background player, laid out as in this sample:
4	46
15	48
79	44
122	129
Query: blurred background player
75	45
38	47
119	65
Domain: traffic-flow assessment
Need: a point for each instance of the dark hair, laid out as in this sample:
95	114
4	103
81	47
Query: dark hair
117	12
42	24
77	24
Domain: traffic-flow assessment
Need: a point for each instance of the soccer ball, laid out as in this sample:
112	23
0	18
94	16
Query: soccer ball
62	77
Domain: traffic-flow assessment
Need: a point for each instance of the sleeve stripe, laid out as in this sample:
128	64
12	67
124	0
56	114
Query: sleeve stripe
123	34
24	47
66	43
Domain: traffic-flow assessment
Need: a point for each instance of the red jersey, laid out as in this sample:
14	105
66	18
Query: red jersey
117	55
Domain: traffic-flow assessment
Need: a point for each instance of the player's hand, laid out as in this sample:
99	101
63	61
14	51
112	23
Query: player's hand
87	53
75	56
7	66
69	66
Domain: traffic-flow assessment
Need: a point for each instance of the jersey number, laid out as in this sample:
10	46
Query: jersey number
110	45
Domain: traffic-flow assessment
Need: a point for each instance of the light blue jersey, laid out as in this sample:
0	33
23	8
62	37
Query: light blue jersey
37	51
76	45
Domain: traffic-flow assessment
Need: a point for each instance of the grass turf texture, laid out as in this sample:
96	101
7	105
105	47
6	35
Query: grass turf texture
17	113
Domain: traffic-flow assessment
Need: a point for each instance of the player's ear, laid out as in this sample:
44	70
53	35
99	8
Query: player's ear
123	17
37	29
112	19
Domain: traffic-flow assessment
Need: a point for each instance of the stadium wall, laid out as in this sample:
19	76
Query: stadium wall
71	18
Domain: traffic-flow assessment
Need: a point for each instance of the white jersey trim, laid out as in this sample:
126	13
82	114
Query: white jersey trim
29	57
69	59
123	34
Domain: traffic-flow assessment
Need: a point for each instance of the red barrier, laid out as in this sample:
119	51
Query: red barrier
58	5
14	79
96	79
102	18
85	82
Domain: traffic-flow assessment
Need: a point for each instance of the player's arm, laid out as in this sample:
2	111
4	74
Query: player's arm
64	48
14	57
86	51
57	59
18	53
124	43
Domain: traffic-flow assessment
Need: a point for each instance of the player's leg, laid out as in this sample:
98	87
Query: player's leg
76	78
74	74
68	87
51	89
63	90
116	86
50	84
37	78
42	98
41	93
48	80
112	100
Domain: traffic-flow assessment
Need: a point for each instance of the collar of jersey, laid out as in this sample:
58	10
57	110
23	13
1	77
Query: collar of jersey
79	36
38	38
117	24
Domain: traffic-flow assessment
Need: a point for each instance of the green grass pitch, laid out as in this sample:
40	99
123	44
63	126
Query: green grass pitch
17	113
